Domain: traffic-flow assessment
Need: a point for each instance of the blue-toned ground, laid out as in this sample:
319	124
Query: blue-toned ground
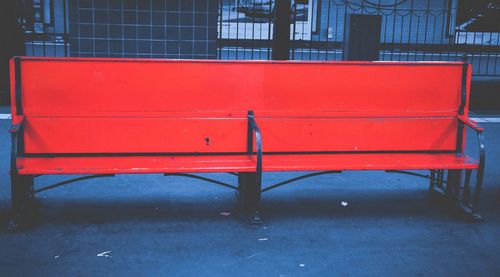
172	226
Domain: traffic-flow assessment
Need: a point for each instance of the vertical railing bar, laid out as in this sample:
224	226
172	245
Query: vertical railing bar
32	39
42	35
336	38
381	39
253	35
294	42
327	27
480	54
417	37
433	35
219	51
319	36
401	38
228	51
409	31
270	21
238	30
456	40
53	35
426	13
488	55
243	46
443	32
472	54
497	56
260	38
65	38
343	33
394	13
301	36
310	34
384	40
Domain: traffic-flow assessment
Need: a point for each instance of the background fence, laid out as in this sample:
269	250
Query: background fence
412	30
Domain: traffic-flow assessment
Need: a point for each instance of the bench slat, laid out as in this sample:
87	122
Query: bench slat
223	135
242	163
91	87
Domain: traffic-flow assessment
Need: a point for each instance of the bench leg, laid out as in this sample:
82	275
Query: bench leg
453	182
457	192
467	201
23	202
249	189
437	183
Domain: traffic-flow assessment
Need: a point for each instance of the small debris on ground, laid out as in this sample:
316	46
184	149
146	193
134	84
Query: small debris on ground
105	254
263	239
344	203
225	213
251	256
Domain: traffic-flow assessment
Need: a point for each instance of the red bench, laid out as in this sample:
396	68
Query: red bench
117	116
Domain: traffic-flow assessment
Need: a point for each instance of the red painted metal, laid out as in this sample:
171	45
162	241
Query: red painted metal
216	135
241	163
471	123
104	106
88	87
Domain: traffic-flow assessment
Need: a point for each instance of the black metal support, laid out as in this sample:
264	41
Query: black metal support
22	194
466	195
14	144
453	183
300	178
73	181
468	203
432	175
250	183
281	31
432	179
480	171
23	202
457	190
18	88
249	197
203	179
440	182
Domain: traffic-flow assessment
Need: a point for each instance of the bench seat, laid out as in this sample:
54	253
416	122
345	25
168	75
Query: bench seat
242	163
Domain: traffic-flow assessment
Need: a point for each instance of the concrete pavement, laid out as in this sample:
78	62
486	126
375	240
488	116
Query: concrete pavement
155	225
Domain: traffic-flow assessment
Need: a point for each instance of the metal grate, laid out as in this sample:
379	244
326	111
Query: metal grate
412	30
143	28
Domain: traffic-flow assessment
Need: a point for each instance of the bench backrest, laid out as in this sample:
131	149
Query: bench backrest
156	106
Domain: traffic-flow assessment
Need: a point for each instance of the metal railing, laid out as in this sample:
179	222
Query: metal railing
412	30
47	29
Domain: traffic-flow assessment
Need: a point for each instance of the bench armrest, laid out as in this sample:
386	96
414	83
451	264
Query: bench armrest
481	149
471	123
253	128
16	125
15	132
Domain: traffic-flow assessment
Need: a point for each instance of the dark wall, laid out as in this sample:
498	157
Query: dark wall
485	96
11	34
185	29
